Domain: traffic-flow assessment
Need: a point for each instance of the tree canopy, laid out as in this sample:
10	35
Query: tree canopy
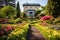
18	9
9	11
53	8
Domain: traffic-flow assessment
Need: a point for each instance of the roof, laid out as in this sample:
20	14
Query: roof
28	4
30	10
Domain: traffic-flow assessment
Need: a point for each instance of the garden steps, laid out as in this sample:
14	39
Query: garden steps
34	34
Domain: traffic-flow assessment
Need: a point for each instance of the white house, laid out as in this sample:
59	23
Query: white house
29	9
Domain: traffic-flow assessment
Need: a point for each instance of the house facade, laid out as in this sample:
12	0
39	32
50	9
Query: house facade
7	2
29	9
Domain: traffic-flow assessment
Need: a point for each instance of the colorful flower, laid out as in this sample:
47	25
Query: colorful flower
9	27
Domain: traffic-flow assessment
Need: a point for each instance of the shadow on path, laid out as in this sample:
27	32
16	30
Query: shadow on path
34	34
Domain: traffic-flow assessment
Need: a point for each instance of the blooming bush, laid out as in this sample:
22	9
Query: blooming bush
3	20
49	34
45	18
5	30
19	33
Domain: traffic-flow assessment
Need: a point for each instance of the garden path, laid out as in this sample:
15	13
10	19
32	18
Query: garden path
34	34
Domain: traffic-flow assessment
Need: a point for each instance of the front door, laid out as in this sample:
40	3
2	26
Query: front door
31	14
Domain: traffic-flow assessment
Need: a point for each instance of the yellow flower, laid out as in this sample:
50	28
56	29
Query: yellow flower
55	33
49	36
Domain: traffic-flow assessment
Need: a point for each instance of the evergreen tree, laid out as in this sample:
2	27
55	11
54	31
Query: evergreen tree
24	15
18	9
53	8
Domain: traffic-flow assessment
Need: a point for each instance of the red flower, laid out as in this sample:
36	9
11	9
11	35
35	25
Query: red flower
9	27
45	18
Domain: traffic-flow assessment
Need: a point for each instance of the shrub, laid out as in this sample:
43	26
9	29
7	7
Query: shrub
19	33
3	20
18	20
5	30
49	21
9	11
57	20
49	34
11	21
45	17
2	15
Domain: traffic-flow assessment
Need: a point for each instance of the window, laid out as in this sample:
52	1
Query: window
30	7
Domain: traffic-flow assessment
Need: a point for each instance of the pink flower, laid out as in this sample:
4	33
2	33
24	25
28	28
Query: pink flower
9	27
45	18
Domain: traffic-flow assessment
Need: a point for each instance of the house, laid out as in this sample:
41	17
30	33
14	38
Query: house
7	2
29	9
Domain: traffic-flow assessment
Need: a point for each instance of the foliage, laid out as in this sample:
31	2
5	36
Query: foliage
24	15
3	20
11	21
18	20
5	29
53	8
42	8
2	15
57	20
18	9
48	33
37	12
41	14
45	18
19	33
49	21
9	11
13	32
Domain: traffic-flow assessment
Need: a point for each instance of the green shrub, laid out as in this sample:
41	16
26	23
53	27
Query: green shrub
19	33
9	11
11	21
57	20
49	21
2	15
18	20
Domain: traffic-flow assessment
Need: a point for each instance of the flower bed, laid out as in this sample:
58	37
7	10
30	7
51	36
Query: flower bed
49	34
19	33
13	31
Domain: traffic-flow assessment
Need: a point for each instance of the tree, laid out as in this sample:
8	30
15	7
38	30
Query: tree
37	12
24	15
53	8
9	11
18	9
43	8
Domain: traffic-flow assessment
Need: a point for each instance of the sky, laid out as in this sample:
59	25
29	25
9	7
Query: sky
41	2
